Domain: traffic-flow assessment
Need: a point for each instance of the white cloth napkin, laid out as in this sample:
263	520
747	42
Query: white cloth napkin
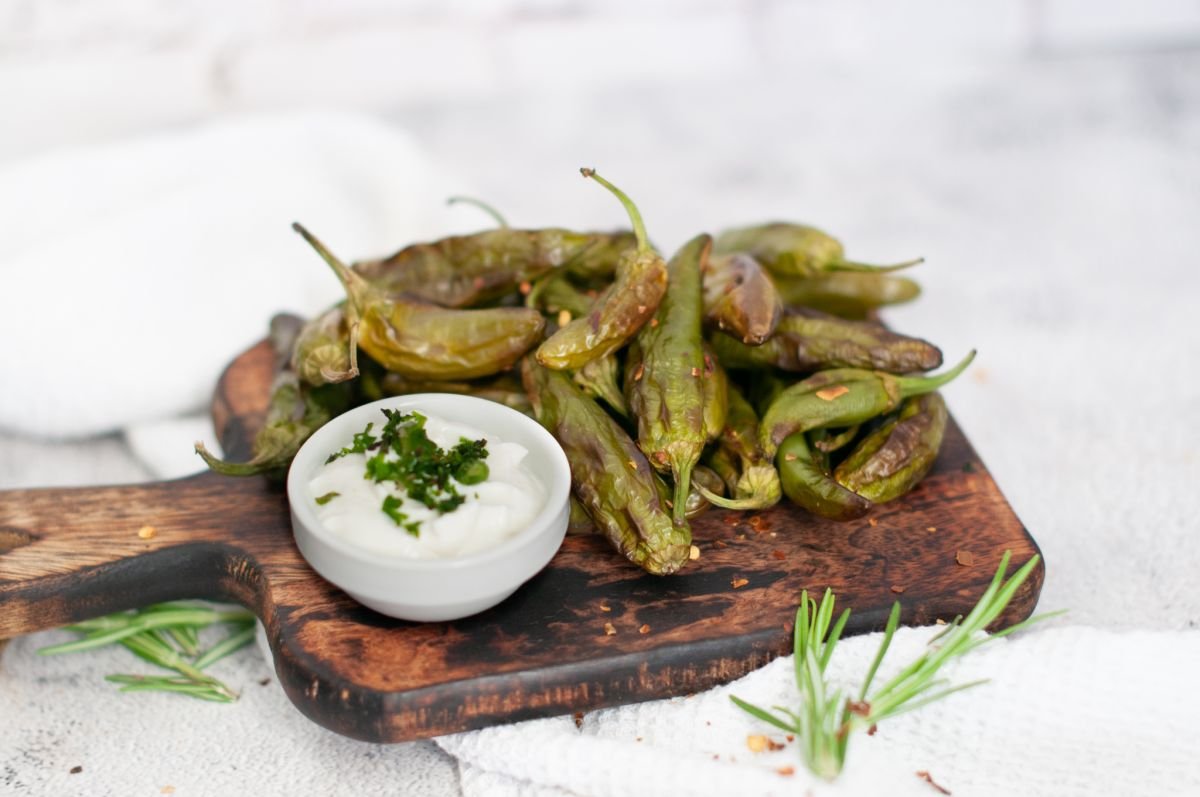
1068	711
134	271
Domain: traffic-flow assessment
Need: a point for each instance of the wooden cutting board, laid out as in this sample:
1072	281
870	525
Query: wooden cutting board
70	554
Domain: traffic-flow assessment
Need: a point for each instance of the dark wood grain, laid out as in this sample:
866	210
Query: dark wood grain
76	553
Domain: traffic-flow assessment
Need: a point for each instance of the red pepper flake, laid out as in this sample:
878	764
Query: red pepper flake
872	522
525	287
147	532
637	372
708	363
965	558
632	465
695	371
477	282
578	719
645	629
896	588
832	392
720	544
790	738
871	731
755	521
641	308
778	554
860	708
732	519
925	776
653	323
786	771
931	528
604	607
738	583
741	536
609	630
789	457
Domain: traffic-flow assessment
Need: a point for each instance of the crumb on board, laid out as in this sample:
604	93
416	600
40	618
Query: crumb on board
965	558
872	522
644	629
756	742
578	717
940	621
694	552
778	554
609	630
264	681
931	528
720	544
896	588
147	532
738	583
604	607
75	770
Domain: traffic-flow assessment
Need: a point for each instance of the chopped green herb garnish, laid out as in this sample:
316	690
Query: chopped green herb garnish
425	472
322	500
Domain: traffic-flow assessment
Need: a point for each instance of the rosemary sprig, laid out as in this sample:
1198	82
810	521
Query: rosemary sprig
825	720
166	635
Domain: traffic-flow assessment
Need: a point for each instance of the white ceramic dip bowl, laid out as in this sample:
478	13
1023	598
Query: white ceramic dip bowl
433	589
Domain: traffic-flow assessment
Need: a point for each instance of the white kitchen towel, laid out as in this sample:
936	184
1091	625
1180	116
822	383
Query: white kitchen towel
1068	711
133	271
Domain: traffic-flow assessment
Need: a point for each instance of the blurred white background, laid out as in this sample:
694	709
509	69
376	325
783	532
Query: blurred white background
1043	155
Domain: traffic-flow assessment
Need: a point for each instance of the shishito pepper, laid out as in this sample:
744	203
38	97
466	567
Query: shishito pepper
843	397
327	348
599	379
611	477
470	270
621	310
675	391
739	298
809	340
752	479
847	294
895	457
295	411
795	250
809	485
425	341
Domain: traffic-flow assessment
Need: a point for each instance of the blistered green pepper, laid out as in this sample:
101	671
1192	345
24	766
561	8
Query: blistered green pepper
504	388
600	379
425	341
809	485
795	250
621	310
611	477
843	397
666	375
847	294
754	481
327	348
471	270
809	340
739	298
895	457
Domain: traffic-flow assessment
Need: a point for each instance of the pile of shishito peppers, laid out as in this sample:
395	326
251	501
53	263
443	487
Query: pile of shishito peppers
743	369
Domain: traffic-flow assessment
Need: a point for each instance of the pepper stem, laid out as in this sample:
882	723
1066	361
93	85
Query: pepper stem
759	488
639	227
479	203
917	385
683	485
355	286
225	468
854	265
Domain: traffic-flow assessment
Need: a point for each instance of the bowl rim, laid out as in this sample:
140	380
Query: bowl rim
449	406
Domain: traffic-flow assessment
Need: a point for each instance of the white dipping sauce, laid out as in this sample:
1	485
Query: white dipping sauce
494	510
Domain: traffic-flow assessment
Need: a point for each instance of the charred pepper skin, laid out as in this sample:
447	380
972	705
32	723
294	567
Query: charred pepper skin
472	270
796	250
611	477
810	486
669	378
740	299
894	458
843	397
809	340
424	341
620	311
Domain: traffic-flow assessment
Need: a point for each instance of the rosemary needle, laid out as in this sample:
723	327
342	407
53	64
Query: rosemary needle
166	635
825	720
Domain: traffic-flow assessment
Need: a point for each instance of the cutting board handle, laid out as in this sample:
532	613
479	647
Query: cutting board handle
73	553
